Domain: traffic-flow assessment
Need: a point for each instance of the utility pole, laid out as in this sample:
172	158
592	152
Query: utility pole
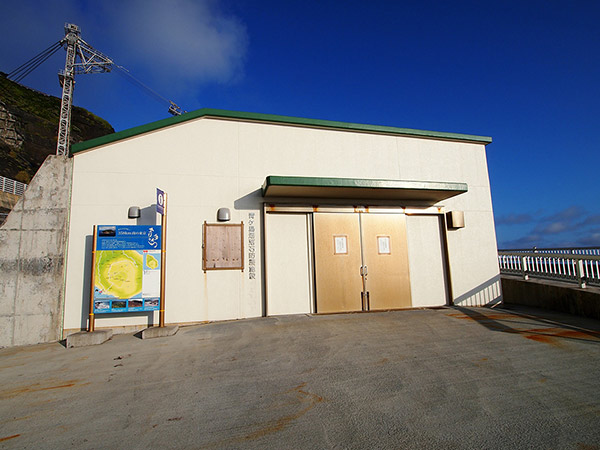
81	58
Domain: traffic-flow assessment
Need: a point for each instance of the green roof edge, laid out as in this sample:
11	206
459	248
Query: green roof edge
219	113
277	180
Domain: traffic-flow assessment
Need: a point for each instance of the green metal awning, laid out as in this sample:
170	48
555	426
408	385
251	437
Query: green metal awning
360	188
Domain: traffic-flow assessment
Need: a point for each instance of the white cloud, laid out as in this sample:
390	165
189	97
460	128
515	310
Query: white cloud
174	46
553	227
514	219
178	41
572	226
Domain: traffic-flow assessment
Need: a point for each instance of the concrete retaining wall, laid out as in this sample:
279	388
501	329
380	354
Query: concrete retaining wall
32	258
551	295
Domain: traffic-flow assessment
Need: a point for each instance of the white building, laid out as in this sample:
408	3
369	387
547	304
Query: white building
336	216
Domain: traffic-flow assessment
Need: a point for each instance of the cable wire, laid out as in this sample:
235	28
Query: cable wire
14	72
27	67
138	83
33	67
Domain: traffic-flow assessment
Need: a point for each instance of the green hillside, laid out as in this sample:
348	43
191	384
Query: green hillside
29	128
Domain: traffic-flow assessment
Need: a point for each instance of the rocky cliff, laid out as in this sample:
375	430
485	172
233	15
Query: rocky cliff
29	128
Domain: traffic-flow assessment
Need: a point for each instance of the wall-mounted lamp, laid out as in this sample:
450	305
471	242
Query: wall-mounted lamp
223	215
455	219
134	212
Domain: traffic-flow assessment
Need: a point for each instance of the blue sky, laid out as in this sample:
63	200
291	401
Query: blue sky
526	73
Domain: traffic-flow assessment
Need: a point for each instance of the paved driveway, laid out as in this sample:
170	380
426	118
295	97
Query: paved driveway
446	378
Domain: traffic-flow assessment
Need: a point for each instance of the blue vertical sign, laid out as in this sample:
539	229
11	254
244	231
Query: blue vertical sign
160	201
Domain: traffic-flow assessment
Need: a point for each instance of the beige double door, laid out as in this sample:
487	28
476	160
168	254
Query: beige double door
361	262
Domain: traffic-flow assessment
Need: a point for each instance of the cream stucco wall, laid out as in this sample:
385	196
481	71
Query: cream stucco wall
426	258
208	163
288	267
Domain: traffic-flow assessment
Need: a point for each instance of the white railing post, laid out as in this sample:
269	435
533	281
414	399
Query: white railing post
580	273
524	267
575	266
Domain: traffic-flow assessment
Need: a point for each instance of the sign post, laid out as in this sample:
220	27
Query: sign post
125	273
161	208
92	282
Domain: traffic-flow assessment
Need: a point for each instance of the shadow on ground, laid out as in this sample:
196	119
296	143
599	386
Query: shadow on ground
528	324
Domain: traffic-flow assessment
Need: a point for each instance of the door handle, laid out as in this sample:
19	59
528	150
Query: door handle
364	270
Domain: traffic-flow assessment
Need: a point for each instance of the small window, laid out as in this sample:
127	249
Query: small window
383	245
340	245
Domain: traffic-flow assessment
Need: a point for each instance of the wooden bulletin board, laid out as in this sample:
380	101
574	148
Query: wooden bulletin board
223	246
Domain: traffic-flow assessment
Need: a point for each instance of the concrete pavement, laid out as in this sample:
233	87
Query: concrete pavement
446	378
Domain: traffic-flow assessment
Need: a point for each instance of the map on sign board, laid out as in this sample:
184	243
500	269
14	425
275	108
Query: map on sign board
127	269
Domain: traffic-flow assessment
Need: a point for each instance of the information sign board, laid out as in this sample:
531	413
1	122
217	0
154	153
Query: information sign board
127	268
223	246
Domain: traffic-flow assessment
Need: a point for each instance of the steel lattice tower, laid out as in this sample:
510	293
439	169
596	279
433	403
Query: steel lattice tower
81	58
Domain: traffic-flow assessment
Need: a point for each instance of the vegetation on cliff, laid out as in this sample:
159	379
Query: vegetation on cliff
29	128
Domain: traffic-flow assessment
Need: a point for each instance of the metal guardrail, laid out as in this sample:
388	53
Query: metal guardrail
578	265
567	250
12	186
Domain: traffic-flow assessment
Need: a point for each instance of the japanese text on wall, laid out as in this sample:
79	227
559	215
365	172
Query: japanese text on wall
251	246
